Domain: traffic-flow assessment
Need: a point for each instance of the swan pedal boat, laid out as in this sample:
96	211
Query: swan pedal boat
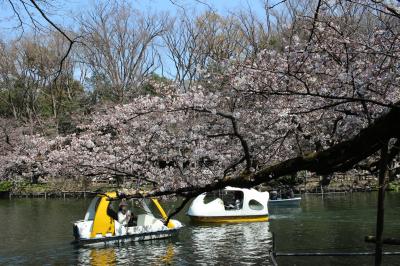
230	205
99	228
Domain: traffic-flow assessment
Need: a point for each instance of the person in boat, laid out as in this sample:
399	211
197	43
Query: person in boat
291	193
238	201
274	195
234	201
125	216
287	193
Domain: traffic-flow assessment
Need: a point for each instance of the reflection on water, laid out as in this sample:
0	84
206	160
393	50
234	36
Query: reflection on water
209	245
159	252
246	242
276	213
169	255
102	257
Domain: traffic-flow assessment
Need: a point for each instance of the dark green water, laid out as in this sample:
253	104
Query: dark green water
39	231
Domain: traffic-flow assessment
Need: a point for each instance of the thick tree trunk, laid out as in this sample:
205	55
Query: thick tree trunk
53	104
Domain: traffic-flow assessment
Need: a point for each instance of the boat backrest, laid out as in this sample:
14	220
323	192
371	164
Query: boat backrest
145	219
91	211
103	224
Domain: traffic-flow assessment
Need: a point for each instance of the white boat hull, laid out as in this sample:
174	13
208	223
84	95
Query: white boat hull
148	228
252	208
116	240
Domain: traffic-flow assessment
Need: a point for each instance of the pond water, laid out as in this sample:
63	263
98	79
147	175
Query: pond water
39	232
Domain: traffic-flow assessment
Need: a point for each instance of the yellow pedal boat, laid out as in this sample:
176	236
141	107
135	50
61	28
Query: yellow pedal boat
100	228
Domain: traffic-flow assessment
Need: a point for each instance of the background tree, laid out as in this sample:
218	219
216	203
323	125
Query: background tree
120	48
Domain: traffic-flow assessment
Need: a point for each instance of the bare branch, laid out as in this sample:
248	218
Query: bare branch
71	41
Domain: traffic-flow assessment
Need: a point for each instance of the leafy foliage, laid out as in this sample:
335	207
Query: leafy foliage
5	186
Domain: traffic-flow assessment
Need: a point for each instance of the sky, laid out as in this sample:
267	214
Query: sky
63	11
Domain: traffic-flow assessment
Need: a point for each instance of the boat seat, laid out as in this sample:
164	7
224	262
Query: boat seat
146	219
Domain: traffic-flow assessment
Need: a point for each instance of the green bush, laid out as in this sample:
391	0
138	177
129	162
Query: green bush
394	186
5	186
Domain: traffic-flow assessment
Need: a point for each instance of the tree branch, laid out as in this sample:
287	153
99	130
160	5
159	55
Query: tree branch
70	40
339	158
180	207
236	133
316	14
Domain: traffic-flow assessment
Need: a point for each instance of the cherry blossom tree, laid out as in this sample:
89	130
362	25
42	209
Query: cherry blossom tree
324	102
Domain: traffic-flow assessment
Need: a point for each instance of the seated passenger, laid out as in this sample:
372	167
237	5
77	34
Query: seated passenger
274	195
124	215
291	193
238	200
235	202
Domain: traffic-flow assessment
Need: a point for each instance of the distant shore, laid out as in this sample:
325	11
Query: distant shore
78	190
65	189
